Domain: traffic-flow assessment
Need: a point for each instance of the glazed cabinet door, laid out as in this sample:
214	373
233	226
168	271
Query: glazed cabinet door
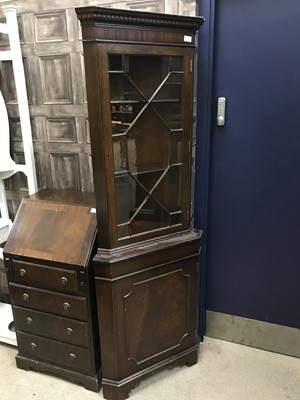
146	96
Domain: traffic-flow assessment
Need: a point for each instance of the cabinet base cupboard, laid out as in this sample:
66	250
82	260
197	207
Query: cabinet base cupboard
51	283
139	75
148	306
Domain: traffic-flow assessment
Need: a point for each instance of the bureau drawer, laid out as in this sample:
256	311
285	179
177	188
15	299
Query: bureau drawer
54	352
43	300
51	326
44	277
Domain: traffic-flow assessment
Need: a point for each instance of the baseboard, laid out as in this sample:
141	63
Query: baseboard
250	332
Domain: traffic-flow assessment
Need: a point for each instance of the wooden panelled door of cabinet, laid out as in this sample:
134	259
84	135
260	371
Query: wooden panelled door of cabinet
51	283
139	75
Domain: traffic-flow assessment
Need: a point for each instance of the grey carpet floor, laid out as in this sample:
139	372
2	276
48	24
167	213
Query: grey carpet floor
225	371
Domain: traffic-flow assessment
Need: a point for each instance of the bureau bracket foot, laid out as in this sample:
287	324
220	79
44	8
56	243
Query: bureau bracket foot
90	382
119	390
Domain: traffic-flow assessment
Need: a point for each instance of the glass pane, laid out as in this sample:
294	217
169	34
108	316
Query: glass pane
176	63
125	197
176	147
152	198
146	108
175	218
124	151
170	113
168	101
171	89
168	192
122	89
152	138
147	72
149	217
115	62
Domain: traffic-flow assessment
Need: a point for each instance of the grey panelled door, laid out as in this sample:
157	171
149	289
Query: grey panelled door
52	54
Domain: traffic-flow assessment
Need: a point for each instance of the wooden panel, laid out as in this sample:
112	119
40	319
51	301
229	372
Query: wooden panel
148	318
162	319
51	27
4	37
15	130
65	171
8	82
56	79
61	130
67	223
82	68
87	130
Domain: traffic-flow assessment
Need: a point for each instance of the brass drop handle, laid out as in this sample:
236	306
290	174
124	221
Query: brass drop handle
69	331
29	321
72	356
63	280
66	306
22	272
33	346
25	296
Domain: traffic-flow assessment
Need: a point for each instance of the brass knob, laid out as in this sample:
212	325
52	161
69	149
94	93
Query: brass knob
29	321
25	296
22	272
72	356
70	331
66	306
64	280
33	346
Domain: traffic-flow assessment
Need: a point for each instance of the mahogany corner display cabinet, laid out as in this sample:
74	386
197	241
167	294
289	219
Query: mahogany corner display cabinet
48	258
139	77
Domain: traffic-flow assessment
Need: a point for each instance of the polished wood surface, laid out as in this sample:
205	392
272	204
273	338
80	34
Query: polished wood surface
155	308
46	222
51	284
53	302
139	75
55	352
52	326
124	25
148	139
45	277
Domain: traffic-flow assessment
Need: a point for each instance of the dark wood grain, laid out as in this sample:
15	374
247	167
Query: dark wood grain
149	314
52	326
137	26
96	27
147	263
45	224
90	381
73	357
48	258
44	300
45	277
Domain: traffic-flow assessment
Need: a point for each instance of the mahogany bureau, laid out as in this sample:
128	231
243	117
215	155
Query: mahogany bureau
48	262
